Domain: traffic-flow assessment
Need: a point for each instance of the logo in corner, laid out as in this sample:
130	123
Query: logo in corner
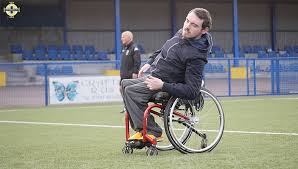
69	91
11	9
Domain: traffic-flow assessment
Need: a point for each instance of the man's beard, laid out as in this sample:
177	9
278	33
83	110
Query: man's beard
185	32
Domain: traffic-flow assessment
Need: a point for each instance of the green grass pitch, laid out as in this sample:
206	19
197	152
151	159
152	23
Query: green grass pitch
48	146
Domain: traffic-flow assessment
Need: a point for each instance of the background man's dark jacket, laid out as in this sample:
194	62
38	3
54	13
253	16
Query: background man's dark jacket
130	61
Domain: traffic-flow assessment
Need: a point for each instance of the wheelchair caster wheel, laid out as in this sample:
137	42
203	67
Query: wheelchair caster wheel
152	151
127	149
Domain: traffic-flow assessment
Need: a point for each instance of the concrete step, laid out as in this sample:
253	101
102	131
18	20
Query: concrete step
16	74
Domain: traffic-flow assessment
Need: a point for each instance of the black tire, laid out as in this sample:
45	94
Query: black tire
127	149
152	151
205	125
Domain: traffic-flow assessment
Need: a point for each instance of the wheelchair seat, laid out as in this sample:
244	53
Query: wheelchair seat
160	97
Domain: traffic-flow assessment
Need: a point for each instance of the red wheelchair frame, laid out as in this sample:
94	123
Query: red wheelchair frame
147	112
146	115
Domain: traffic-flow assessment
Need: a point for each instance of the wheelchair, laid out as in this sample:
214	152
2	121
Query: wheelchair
191	126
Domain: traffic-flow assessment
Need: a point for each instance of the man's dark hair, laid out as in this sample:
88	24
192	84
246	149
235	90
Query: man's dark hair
204	15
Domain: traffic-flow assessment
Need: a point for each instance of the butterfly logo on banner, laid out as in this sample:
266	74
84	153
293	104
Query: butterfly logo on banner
62	92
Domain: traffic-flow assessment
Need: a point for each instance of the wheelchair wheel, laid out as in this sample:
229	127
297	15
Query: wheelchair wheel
204	123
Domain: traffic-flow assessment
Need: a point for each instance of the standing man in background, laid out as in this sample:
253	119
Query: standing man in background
130	59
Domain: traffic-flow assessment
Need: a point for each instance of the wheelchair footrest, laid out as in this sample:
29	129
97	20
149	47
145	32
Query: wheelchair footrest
138	144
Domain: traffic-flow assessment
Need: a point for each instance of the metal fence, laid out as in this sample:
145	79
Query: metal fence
275	76
26	84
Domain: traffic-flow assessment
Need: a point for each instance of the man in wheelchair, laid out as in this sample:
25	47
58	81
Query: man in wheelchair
177	68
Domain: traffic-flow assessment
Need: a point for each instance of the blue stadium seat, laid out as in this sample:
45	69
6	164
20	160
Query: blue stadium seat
286	54
208	68
53	54
27	55
16	48
40	70
76	48
293	54
241	54
90	49
67	70
247	49
214	68
257	48
77	52
215	49
40	54
102	55
272	54
141	49
258	68
52	47
219	68
283	68
40	47
89	55
65	54
77	55
65	47
111	51
262	54
55	71
293	67
89	52
289	49
219	54
295	48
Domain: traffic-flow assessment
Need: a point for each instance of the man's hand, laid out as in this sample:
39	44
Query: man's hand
143	69
154	83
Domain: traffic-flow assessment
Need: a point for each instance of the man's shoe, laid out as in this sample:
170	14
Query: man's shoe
137	136
123	111
158	139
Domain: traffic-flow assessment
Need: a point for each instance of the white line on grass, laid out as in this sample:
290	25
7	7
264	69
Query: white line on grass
257	99
288	98
61	124
68	107
113	126
261	132
108	106
241	100
11	110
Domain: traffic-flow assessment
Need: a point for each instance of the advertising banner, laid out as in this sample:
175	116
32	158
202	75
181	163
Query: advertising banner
91	89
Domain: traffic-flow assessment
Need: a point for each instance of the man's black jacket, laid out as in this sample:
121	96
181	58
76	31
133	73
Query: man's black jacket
130	61
180	64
